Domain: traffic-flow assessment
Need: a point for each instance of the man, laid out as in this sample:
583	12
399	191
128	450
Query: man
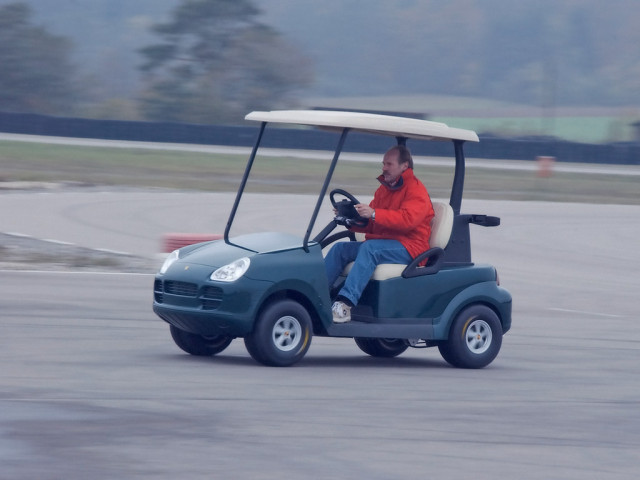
399	227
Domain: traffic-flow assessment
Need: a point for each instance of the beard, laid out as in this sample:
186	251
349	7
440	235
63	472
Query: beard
390	179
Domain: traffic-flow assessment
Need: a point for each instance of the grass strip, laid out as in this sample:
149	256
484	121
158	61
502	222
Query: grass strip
137	167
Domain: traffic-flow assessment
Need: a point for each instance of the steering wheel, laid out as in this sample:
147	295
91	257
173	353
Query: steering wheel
347	214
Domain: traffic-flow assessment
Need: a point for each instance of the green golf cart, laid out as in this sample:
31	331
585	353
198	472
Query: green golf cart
271	289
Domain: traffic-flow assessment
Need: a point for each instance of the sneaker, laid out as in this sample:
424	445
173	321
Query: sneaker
341	312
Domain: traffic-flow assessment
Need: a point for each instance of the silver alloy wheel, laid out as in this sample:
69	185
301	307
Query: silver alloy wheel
478	336
286	333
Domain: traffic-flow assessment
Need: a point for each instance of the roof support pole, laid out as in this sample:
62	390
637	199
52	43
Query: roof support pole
458	179
325	187
243	183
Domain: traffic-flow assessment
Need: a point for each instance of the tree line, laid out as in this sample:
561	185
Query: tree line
208	61
211	63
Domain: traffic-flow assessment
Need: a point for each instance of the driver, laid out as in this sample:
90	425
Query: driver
398	230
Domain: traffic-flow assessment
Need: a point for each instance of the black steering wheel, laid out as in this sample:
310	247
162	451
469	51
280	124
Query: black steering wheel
347	214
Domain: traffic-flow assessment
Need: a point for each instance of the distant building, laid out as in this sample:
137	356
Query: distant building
583	124
397	113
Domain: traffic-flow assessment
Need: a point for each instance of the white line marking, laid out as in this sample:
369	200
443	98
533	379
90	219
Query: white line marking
106	250
71	272
62	242
581	312
57	242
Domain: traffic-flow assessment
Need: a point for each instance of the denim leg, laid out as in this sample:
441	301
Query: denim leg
369	255
338	257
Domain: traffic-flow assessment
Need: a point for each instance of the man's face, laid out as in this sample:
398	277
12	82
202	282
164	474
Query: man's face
391	169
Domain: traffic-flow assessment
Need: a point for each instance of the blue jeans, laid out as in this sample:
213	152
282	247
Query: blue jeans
366	255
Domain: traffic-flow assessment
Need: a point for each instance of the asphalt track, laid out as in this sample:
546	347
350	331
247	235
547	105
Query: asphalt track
91	385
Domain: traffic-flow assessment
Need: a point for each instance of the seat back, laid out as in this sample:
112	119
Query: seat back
441	225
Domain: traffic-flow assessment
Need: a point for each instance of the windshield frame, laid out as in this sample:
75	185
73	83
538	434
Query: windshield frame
323	190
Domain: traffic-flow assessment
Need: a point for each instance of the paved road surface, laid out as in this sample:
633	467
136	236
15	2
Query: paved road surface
91	385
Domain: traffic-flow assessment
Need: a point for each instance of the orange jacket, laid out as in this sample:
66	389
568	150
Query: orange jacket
403	212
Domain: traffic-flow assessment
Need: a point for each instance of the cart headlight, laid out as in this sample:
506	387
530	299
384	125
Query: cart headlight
232	271
170	260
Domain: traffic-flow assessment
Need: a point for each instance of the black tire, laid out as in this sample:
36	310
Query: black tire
381	347
252	348
475	338
282	334
199	345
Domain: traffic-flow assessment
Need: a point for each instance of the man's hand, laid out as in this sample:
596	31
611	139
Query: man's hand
365	211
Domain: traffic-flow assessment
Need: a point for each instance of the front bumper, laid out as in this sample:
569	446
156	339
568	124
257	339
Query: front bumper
207	308
203	323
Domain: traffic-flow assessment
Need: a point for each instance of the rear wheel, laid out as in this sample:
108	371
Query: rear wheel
282	334
475	338
199	345
381	347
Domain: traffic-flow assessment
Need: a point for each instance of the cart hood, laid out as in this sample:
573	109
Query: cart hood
219	253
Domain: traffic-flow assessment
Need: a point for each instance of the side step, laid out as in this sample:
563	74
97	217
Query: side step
393	329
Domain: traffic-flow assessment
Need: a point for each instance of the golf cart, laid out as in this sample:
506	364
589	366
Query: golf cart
271	288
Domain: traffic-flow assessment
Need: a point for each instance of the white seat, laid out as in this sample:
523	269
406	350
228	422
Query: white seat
441	226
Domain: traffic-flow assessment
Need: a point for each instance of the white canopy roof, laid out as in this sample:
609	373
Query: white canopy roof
366	122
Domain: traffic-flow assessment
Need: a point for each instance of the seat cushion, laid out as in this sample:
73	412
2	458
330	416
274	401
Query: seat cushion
384	271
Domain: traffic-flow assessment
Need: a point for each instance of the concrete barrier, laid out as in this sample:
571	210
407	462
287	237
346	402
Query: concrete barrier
173	241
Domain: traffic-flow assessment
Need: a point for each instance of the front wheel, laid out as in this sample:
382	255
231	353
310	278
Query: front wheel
475	338
199	345
282	334
381	347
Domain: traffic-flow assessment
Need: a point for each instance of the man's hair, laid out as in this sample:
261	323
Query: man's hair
404	155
